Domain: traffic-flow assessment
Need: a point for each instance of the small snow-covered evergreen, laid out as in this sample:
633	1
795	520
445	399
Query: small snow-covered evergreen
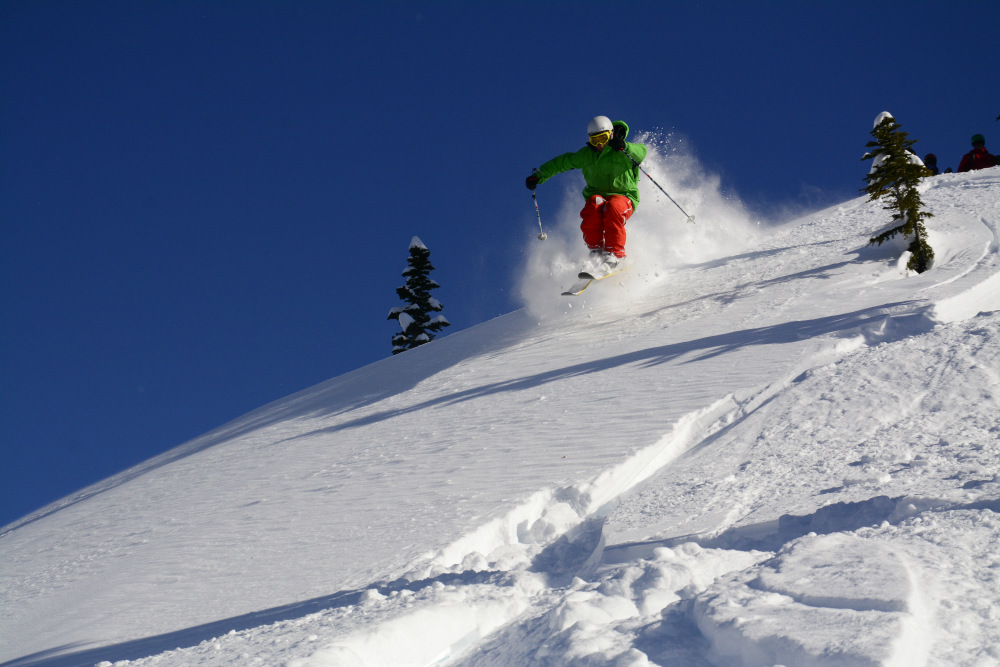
416	324
896	171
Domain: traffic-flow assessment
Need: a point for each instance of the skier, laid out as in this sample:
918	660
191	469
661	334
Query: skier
610	166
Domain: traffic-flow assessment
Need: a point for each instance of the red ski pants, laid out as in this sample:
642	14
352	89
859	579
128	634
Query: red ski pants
603	223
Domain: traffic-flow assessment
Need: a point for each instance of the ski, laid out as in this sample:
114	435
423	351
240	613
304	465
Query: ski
587	275
586	278
578	287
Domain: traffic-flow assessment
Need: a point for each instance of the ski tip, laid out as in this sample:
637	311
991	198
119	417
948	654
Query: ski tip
578	288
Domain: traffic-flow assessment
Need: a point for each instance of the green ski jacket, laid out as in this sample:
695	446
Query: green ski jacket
606	171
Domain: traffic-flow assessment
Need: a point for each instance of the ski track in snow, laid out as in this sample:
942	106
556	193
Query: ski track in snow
791	458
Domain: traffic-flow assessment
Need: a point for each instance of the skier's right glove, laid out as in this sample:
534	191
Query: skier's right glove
617	142
531	181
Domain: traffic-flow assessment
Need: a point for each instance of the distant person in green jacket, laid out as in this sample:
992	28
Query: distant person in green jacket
610	166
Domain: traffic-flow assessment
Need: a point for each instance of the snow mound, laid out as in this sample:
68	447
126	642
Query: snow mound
832	600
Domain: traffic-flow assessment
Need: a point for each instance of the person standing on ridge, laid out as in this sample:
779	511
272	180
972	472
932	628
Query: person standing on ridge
610	166
930	161
978	157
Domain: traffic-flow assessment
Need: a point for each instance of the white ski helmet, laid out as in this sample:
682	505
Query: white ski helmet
599	124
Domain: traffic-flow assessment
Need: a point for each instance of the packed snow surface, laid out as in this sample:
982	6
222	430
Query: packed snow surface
763	445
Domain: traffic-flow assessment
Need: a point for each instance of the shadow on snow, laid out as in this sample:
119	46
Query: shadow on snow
876	324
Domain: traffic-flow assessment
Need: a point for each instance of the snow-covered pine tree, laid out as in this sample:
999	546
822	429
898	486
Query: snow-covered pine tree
415	321
895	173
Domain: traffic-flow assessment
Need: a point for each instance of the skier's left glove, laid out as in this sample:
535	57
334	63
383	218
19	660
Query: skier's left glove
531	181
617	142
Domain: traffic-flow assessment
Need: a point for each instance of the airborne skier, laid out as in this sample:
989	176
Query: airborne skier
610	166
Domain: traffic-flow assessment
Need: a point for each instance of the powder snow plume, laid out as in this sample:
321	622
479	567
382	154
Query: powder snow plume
659	236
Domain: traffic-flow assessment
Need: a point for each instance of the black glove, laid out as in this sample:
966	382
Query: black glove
617	142
531	181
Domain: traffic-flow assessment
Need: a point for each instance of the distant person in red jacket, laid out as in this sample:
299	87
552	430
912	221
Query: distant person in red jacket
977	158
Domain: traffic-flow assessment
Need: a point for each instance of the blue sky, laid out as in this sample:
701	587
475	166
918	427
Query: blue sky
207	206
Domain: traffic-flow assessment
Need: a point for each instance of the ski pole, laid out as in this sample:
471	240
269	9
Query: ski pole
690	218
541	234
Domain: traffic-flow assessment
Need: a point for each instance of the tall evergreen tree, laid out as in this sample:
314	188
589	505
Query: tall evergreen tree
415	321
895	173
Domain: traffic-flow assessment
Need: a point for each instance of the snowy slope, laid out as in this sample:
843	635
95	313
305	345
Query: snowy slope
756	448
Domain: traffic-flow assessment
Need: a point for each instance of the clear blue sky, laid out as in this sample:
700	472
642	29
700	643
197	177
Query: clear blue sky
206	206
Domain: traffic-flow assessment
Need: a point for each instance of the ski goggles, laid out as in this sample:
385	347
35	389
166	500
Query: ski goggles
600	138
